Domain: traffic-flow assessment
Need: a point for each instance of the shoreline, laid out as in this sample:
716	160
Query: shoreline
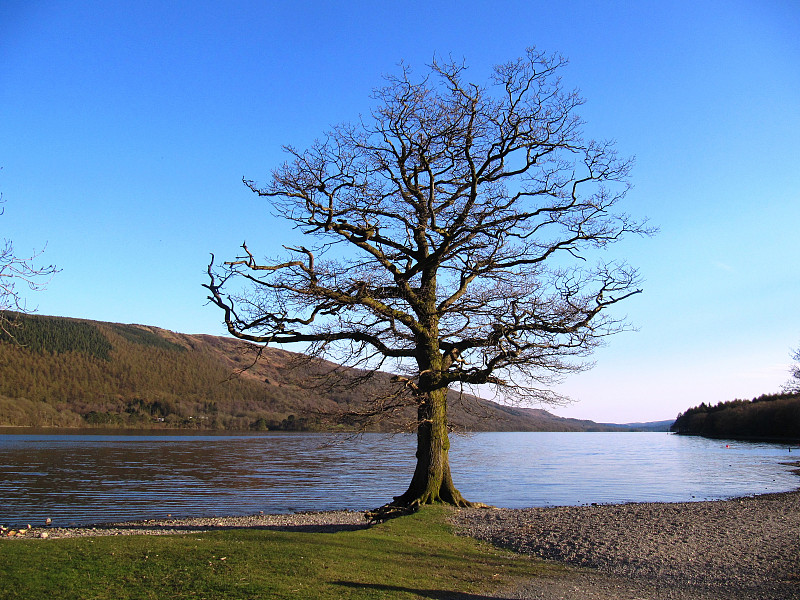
323	520
733	549
793	442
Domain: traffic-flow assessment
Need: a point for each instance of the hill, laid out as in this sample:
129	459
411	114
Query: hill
62	372
768	417
654	426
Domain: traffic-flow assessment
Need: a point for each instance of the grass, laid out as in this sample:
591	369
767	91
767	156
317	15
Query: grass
411	557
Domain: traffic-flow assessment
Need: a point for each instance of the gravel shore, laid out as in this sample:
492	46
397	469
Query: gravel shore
328	521
724	550
740	548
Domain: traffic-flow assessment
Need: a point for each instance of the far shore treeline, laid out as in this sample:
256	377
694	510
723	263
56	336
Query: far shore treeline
63	372
768	417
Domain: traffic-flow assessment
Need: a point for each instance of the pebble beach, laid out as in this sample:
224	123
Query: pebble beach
746	548
328	521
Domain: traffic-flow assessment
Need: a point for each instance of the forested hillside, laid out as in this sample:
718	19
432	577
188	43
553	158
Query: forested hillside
771	416
62	372
67	372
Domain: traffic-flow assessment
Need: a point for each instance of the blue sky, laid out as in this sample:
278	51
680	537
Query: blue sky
126	128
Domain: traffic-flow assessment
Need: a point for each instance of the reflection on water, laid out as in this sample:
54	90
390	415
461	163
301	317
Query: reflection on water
100	478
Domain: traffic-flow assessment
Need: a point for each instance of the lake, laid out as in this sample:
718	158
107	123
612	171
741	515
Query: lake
102	477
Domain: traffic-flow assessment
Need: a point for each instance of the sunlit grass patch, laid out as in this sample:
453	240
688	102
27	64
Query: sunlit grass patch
410	557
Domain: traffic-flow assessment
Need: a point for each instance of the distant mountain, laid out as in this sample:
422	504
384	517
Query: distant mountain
648	426
64	372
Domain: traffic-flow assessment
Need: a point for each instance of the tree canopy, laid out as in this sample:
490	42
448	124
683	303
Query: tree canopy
452	238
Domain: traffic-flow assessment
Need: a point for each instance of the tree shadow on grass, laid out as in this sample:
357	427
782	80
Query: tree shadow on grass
432	594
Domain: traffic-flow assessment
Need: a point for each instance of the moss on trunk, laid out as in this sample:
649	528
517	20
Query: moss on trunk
432	481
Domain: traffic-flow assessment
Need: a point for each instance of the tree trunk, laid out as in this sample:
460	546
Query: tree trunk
432	481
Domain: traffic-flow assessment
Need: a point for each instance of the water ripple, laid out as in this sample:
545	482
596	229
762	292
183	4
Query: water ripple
84	479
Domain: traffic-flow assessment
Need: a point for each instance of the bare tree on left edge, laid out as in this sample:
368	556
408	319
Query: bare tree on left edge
793	385
18	273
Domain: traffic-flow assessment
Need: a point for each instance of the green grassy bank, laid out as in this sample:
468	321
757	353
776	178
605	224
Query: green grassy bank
410	557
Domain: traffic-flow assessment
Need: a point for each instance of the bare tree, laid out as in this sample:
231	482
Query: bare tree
16	271
451	233
793	385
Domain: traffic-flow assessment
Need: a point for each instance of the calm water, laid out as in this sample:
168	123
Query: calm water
99	478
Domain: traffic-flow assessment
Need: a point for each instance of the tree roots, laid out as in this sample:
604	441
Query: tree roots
398	508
